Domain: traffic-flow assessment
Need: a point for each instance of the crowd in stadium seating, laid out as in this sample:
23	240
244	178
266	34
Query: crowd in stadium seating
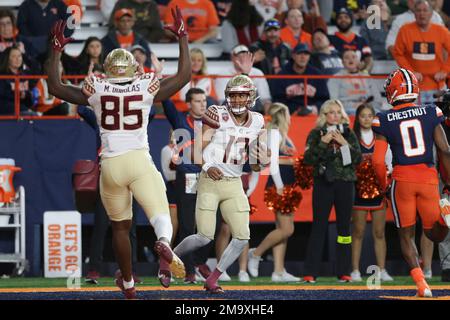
285	37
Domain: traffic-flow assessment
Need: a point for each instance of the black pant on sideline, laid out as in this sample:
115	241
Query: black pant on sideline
325	195
186	223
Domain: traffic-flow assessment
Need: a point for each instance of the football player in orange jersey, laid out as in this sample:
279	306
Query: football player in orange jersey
411	130
121	102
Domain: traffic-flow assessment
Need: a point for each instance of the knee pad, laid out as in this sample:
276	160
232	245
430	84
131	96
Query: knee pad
344	239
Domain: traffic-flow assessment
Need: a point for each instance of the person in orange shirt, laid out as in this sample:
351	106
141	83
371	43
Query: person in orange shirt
122	35
420	47
200	17
293	34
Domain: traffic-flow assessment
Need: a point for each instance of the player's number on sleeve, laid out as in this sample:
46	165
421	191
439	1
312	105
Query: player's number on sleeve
110	119
406	128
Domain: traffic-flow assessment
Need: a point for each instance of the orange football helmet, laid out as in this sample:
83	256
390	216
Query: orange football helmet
401	84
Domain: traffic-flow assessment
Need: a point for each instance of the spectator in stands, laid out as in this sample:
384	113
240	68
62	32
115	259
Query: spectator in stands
141	56
147	24
36	18
123	36
271	53
242	61
312	20
345	38
268	9
293	34
332	148
376	37
199	16
438	6
353	92
293	92
199	69
12	64
222	8
92	53
240	26
420	47
168	170
375	205
9	35
403	19
324	57
358	8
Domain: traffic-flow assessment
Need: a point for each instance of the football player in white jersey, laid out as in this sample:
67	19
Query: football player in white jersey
228	133
122	101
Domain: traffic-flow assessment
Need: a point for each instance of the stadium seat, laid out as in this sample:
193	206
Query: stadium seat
170	50
89	3
85	32
214	67
93	17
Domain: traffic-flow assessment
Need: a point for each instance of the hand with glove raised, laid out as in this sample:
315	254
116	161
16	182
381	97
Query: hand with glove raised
178	28
57	35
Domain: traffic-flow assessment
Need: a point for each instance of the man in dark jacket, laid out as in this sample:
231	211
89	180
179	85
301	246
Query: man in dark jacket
122	35
275	52
148	23
292	92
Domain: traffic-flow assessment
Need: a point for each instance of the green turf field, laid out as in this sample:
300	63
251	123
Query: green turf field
152	281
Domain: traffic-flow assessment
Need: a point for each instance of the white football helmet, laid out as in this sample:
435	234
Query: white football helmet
240	84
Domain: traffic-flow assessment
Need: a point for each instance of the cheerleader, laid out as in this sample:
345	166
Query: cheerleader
364	204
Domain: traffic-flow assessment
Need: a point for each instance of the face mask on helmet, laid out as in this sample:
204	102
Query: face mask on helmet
240	84
120	66
401	85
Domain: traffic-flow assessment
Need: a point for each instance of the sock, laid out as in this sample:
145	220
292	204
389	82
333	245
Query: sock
231	253
191	243
162	225
417	275
128	285
215	275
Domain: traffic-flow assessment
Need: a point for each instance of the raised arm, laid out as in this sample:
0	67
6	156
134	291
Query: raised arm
171	85
65	92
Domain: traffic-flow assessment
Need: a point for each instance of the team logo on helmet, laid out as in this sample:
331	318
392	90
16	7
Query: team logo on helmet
120	66
240	84
225	117
401	85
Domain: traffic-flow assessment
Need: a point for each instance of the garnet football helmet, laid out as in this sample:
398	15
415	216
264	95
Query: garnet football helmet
120	66
240	84
401	84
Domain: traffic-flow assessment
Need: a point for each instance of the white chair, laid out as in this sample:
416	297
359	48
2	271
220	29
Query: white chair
85	32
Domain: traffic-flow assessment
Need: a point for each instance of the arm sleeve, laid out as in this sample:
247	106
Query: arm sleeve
274	143
22	18
252	182
446	34
388	159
